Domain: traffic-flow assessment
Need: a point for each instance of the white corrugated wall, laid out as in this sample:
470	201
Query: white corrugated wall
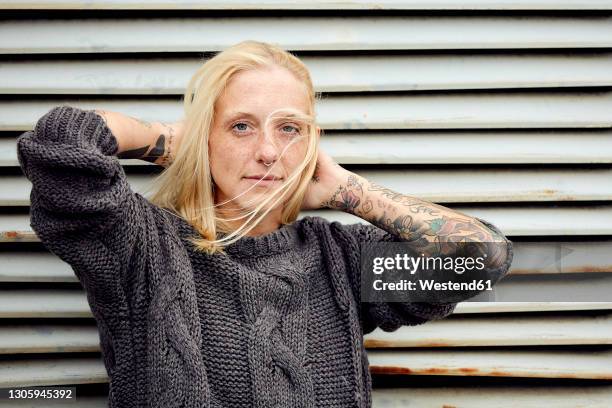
499	108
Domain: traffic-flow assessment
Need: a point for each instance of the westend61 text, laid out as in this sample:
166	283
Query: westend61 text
430	284
411	264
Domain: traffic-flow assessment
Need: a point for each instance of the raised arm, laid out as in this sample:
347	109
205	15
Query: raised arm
155	142
431	228
81	205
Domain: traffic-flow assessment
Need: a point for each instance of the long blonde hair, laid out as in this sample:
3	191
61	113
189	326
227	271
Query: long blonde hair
186	187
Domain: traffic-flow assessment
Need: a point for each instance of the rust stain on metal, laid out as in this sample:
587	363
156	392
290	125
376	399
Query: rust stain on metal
580	269
470	371
390	370
588	268
435	370
378	344
373	343
431	344
500	374
18	236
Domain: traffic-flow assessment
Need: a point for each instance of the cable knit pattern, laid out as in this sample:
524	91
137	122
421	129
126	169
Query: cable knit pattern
277	322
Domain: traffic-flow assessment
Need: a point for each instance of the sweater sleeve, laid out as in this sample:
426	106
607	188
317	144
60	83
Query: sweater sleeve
81	205
389	316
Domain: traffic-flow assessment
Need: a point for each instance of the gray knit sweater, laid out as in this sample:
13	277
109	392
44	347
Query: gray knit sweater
278	323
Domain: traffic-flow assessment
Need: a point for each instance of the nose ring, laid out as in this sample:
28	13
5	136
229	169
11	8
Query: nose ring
267	164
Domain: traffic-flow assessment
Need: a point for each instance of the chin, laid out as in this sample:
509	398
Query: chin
249	207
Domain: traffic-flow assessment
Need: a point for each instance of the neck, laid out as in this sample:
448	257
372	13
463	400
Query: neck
271	222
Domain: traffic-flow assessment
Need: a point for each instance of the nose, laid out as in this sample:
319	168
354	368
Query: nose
266	151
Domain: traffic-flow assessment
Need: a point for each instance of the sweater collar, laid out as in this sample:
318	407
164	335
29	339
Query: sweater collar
283	239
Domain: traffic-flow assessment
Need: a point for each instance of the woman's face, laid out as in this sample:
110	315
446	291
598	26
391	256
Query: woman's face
240	142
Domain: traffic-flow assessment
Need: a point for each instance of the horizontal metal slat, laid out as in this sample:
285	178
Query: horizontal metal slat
580	287
442	147
423	111
51	303
498	363
52	372
296	33
540	364
476	146
307	5
44	303
561	257
530	258
83	402
513	221
440	186
355	73
474	397
508	396
48	339
34	267
456	331
512	307
465	330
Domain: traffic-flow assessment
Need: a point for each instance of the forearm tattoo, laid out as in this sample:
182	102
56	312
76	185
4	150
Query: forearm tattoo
150	153
432	228
145	153
161	148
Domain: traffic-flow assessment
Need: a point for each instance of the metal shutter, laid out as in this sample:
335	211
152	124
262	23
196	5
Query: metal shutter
501	109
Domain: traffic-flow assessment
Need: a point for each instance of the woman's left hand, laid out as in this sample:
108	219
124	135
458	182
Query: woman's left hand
328	176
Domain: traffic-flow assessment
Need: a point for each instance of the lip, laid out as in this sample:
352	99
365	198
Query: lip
261	176
263	181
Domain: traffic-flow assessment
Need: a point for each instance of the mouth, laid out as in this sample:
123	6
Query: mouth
263	181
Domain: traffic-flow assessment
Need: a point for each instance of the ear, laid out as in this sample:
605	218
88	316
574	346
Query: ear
318	133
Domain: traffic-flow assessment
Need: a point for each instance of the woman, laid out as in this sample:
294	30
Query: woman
212	293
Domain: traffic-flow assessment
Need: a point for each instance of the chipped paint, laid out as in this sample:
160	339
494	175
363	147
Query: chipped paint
18	236
471	371
581	269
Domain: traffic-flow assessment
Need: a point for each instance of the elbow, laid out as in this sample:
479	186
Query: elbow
499	252
54	125
22	152
499	258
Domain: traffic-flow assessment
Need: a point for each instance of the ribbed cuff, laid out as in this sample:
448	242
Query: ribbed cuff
79	127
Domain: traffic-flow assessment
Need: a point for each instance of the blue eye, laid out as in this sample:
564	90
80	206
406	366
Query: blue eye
293	129
241	128
239	124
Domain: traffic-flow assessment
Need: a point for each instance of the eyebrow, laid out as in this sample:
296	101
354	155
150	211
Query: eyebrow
235	115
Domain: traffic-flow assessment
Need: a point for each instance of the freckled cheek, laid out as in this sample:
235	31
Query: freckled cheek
293	159
229	166
220	165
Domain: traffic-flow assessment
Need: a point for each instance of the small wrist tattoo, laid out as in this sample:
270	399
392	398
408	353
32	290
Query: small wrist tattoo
167	157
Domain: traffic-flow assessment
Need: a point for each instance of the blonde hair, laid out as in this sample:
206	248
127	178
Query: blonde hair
186	186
